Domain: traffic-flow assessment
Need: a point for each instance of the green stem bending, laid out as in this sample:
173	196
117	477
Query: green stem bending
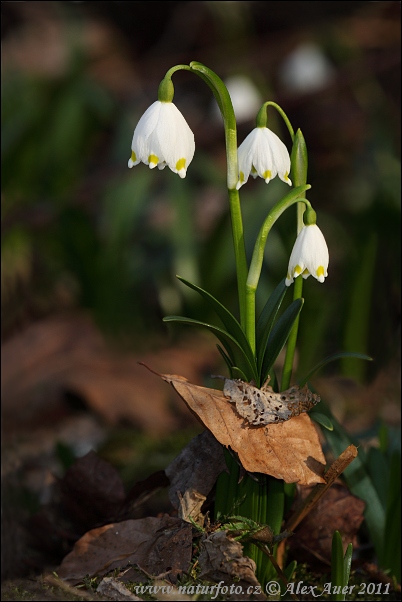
262	116
258	257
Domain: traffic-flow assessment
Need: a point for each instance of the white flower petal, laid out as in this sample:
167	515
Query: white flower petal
309	255
263	154
162	137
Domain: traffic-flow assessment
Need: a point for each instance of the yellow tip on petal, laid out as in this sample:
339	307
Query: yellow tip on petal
286	176
267	175
181	166
153	161
133	157
320	273
297	271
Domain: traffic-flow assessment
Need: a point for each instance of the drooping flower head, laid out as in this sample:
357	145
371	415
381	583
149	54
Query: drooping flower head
310	252
162	136
263	154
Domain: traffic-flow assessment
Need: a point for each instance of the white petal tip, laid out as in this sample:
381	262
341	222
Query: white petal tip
130	163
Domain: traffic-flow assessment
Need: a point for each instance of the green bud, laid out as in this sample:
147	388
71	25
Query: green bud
309	217
166	90
261	119
299	160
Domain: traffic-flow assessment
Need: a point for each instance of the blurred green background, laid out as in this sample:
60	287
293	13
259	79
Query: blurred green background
81	230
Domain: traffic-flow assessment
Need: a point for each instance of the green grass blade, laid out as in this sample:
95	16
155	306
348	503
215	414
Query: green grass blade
378	468
321	419
332	358
337	568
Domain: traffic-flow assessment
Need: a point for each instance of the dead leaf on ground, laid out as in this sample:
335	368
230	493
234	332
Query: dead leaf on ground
160	546
115	590
290	450
193	473
91	490
337	510
221	559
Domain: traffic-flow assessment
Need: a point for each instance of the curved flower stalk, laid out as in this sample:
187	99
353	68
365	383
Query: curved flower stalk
162	137
309	255
263	154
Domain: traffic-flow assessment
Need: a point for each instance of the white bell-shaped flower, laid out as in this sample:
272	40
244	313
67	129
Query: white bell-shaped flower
263	154
309	255
162	137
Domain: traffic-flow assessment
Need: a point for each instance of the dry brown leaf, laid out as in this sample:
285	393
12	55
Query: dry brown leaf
290	450
221	559
193	473
337	510
160	546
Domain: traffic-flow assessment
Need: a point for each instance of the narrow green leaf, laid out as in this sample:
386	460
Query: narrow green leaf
321	419
266	319
237	373
347	563
378	468
226	358
232	347
337	568
279	336
228	320
332	358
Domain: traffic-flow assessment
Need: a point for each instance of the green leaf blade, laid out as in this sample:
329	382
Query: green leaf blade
279	336
234	351
332	358
227	318
267	318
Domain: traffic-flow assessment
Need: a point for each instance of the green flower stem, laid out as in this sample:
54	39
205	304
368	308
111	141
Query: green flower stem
229	120
299	175
258	256
262	116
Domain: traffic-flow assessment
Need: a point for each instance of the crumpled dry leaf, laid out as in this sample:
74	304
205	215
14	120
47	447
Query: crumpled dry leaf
264	406
221	559
159	545
290	450
193	473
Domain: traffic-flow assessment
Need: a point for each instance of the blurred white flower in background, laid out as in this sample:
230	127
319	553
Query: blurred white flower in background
246	98
306	69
